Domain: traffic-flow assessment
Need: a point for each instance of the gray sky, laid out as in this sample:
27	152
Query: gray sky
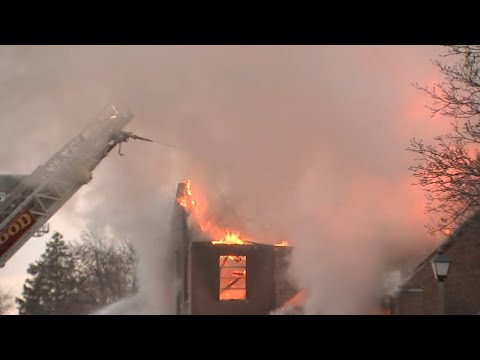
302	142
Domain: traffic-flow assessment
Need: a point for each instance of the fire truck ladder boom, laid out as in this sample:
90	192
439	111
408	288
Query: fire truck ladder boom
38	196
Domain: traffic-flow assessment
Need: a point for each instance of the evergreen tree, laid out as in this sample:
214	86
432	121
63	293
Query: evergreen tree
52	287
79	277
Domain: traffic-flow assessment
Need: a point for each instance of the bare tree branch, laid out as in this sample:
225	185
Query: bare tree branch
449	171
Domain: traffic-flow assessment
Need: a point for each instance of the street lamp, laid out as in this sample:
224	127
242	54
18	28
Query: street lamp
440	265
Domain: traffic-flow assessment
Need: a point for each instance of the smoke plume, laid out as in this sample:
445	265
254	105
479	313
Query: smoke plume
304	143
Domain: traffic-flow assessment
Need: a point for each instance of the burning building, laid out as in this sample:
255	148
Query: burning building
218	272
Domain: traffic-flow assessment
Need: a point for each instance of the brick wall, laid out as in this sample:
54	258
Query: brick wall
284	289
420	295
205	279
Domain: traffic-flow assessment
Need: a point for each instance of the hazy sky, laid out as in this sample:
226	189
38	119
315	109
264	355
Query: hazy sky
306	142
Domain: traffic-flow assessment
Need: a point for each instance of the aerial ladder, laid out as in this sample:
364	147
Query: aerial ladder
27	202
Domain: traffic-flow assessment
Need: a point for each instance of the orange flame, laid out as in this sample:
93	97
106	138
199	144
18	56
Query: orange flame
230	239
187	200
222	236
233	278
239	273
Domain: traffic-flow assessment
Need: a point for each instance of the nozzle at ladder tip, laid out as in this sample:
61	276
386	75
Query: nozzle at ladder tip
136	137
141	138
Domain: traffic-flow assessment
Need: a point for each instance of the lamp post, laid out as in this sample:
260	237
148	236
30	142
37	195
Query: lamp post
440	265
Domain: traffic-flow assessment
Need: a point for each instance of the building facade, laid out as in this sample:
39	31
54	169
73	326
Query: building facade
420	294
220	279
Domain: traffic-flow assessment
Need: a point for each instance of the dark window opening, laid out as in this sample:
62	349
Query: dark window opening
233	277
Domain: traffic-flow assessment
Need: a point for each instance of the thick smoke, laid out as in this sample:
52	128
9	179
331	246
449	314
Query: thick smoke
298	143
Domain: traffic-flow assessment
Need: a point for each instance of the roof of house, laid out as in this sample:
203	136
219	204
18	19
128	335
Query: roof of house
473	223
